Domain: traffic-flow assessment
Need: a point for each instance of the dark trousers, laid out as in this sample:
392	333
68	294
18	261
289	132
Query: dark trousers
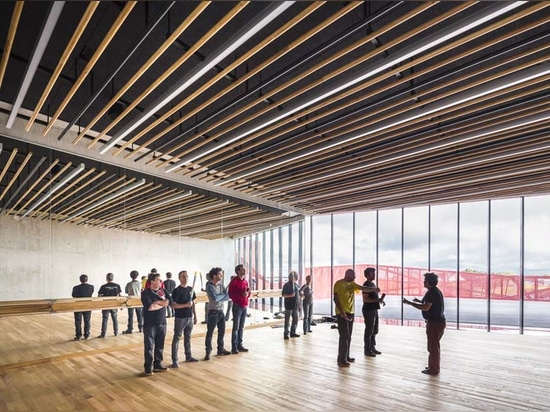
185	326
78	317
229	310
138	312
215	318
153	342
288	314
308	314
345	329
434	333
105	320
239	318
371	329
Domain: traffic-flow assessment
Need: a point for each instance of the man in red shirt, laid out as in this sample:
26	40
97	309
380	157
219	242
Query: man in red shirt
239	292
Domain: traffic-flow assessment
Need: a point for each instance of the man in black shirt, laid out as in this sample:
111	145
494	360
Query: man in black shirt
84	290
371	305
109	289
183	298
432	306
155	300
290	294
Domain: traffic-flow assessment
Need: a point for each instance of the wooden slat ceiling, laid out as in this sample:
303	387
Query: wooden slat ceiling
217	119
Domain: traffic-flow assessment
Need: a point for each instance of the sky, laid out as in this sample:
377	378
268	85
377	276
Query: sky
473	233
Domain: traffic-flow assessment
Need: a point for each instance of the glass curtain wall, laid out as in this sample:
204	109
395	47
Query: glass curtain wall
472	277
536	266
416	227
390	263
444	254
492	257
505	263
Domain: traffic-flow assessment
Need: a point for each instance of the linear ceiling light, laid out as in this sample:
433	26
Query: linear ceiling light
469	95
119	65
106	199
54	189
193	212
223	51
407	53
470	163
151	206
21	185
43	40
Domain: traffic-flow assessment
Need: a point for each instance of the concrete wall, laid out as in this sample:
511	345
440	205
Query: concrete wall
40	259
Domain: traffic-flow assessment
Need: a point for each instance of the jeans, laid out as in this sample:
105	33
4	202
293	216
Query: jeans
345	329
239	318
371	329
131	319
78	316
229	310
308	313
215	318
153	342
434	333
185	326
294	314
105	320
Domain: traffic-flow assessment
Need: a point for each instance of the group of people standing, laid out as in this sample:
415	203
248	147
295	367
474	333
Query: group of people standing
85	290
432	307
294	296
156	301
161	300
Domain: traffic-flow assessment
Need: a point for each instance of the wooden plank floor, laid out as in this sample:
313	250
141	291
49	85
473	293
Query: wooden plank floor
41	369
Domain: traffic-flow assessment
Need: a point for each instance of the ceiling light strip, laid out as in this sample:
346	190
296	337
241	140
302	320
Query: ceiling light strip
143	198
15	176
21	185
214	139
223	51
31	187
55	188
63	60
126	55
232	66
348	102
106	199
158	79
43	40
340	37
91	63
143	69
490	87
65	189
430	42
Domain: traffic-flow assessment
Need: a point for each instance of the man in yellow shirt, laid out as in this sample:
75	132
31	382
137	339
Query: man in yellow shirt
344	299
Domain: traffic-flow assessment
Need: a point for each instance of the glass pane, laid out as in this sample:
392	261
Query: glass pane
505	263
322	279
472	301
365	241
389	271
443	254
343	244
296	254
537	263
